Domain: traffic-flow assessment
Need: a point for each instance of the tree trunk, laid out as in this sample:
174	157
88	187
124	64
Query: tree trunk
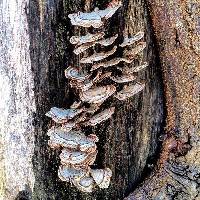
35	51
177	29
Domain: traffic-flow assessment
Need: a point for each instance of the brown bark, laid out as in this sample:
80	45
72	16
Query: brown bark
177	176
129	141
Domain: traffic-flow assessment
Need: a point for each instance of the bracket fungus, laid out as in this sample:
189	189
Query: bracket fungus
97	94
104	76
108	41
67	173
85	184
82	86
129	41
60	115
75	74
109	11
124	78
129	91
68	126
78	150
133	52
86	19
77	157
103	42
110	63
100	117
74	123
94	18
83	48
79	40
76	104
85	179
72	140
101	177
93	108
87	84
98	56
136	69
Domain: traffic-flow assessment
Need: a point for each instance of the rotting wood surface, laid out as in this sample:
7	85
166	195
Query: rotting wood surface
176	25
128	140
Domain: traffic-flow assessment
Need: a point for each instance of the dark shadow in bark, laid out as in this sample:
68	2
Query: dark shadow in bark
24	194
155	147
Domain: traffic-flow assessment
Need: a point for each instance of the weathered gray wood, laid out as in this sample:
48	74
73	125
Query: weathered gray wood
17	101
127	141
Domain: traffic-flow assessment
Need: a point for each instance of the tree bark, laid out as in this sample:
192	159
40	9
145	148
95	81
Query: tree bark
177	31
17	101
35	51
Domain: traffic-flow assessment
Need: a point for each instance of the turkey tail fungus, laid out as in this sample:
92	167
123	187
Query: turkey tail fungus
78	150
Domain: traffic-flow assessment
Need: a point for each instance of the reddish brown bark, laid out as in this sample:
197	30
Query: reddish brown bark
176	26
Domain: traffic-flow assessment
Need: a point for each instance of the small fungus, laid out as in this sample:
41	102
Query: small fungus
110	63
100	117
133	52
75	74
79	40
95	18
129	91
123	78
129	41
60	115
77	158
103	42
102	177
98	94
135	69
98	56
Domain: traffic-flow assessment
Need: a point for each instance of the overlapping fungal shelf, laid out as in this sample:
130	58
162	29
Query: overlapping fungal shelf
79	150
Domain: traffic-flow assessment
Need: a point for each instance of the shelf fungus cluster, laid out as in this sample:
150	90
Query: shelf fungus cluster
78	150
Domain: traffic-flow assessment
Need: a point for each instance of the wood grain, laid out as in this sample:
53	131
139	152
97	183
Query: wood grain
128	142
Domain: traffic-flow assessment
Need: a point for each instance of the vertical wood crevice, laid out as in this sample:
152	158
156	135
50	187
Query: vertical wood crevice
129	139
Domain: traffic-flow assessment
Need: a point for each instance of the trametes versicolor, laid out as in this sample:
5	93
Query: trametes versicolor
78	150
